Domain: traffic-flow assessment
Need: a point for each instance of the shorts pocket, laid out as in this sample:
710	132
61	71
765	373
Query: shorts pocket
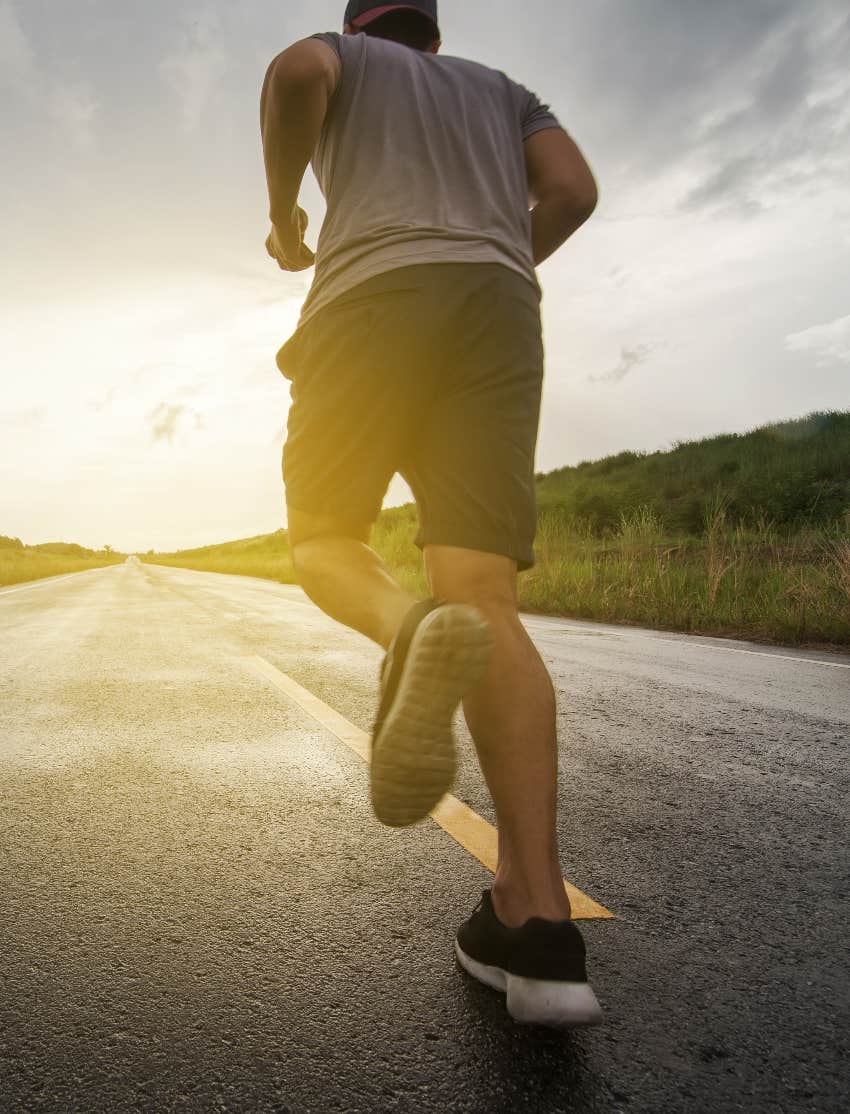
287	356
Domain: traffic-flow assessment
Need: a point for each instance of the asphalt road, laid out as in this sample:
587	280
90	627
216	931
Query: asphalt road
199	912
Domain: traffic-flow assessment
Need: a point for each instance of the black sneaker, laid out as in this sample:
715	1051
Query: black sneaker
440	652
540	966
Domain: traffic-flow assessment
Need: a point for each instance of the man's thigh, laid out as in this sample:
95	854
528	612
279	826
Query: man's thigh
472	466
356	396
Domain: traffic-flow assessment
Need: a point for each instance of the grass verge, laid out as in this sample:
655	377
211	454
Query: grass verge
268	566
737	581
20	565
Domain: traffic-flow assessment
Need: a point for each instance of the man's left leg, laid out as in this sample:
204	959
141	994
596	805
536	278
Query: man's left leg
436	653
345	577
369	372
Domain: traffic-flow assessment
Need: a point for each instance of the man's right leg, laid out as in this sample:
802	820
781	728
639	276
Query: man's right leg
511	716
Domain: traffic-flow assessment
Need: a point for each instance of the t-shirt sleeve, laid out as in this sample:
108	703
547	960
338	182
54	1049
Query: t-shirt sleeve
534	115
332	39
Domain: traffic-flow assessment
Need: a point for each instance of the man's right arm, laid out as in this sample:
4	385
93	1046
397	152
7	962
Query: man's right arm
296	93
561	190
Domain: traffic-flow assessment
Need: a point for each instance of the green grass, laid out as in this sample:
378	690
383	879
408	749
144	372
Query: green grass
266	556
745	535
755	583
752	584
20	563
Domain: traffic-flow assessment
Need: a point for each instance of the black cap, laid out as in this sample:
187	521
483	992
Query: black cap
359	13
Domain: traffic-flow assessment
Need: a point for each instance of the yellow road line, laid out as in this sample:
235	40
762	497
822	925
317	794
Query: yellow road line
466	827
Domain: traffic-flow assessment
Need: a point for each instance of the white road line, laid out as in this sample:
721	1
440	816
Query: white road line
45	581
753	653
686	641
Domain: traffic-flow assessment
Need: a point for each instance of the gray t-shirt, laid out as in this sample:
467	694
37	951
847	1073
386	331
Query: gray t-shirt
420	160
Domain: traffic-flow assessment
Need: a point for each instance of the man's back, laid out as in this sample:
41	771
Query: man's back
420	160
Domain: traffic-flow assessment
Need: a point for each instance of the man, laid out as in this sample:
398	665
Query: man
419	351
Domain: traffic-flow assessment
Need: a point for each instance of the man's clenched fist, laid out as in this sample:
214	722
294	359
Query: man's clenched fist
286	244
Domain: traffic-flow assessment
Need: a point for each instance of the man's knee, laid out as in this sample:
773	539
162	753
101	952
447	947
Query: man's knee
313	538
485	580
303	559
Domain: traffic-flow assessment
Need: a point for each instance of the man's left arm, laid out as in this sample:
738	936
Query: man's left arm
298	87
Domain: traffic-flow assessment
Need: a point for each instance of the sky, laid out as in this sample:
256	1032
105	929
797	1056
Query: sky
140	316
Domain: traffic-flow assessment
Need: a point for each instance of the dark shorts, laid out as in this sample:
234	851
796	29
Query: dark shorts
432	371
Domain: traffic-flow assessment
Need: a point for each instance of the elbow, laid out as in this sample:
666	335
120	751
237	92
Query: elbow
586	202
583	196
577	197
591	197
576	205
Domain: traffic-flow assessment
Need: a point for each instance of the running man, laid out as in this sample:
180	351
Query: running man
419	352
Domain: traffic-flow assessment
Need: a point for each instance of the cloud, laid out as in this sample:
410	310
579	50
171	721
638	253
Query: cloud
17	60
70	104
791	126
196	67
104	402
164	421
829	342
630	358
24	419
73	109
732	184
716	107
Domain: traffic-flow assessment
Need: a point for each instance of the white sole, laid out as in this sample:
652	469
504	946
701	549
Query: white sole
413	756
567	1005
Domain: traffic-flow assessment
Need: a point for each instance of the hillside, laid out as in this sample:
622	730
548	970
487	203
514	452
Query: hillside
792	474
20	563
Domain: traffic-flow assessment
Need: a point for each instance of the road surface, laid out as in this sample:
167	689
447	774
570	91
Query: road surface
200	914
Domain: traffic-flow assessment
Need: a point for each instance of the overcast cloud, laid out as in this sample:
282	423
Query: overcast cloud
829	342
630	358
710	292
